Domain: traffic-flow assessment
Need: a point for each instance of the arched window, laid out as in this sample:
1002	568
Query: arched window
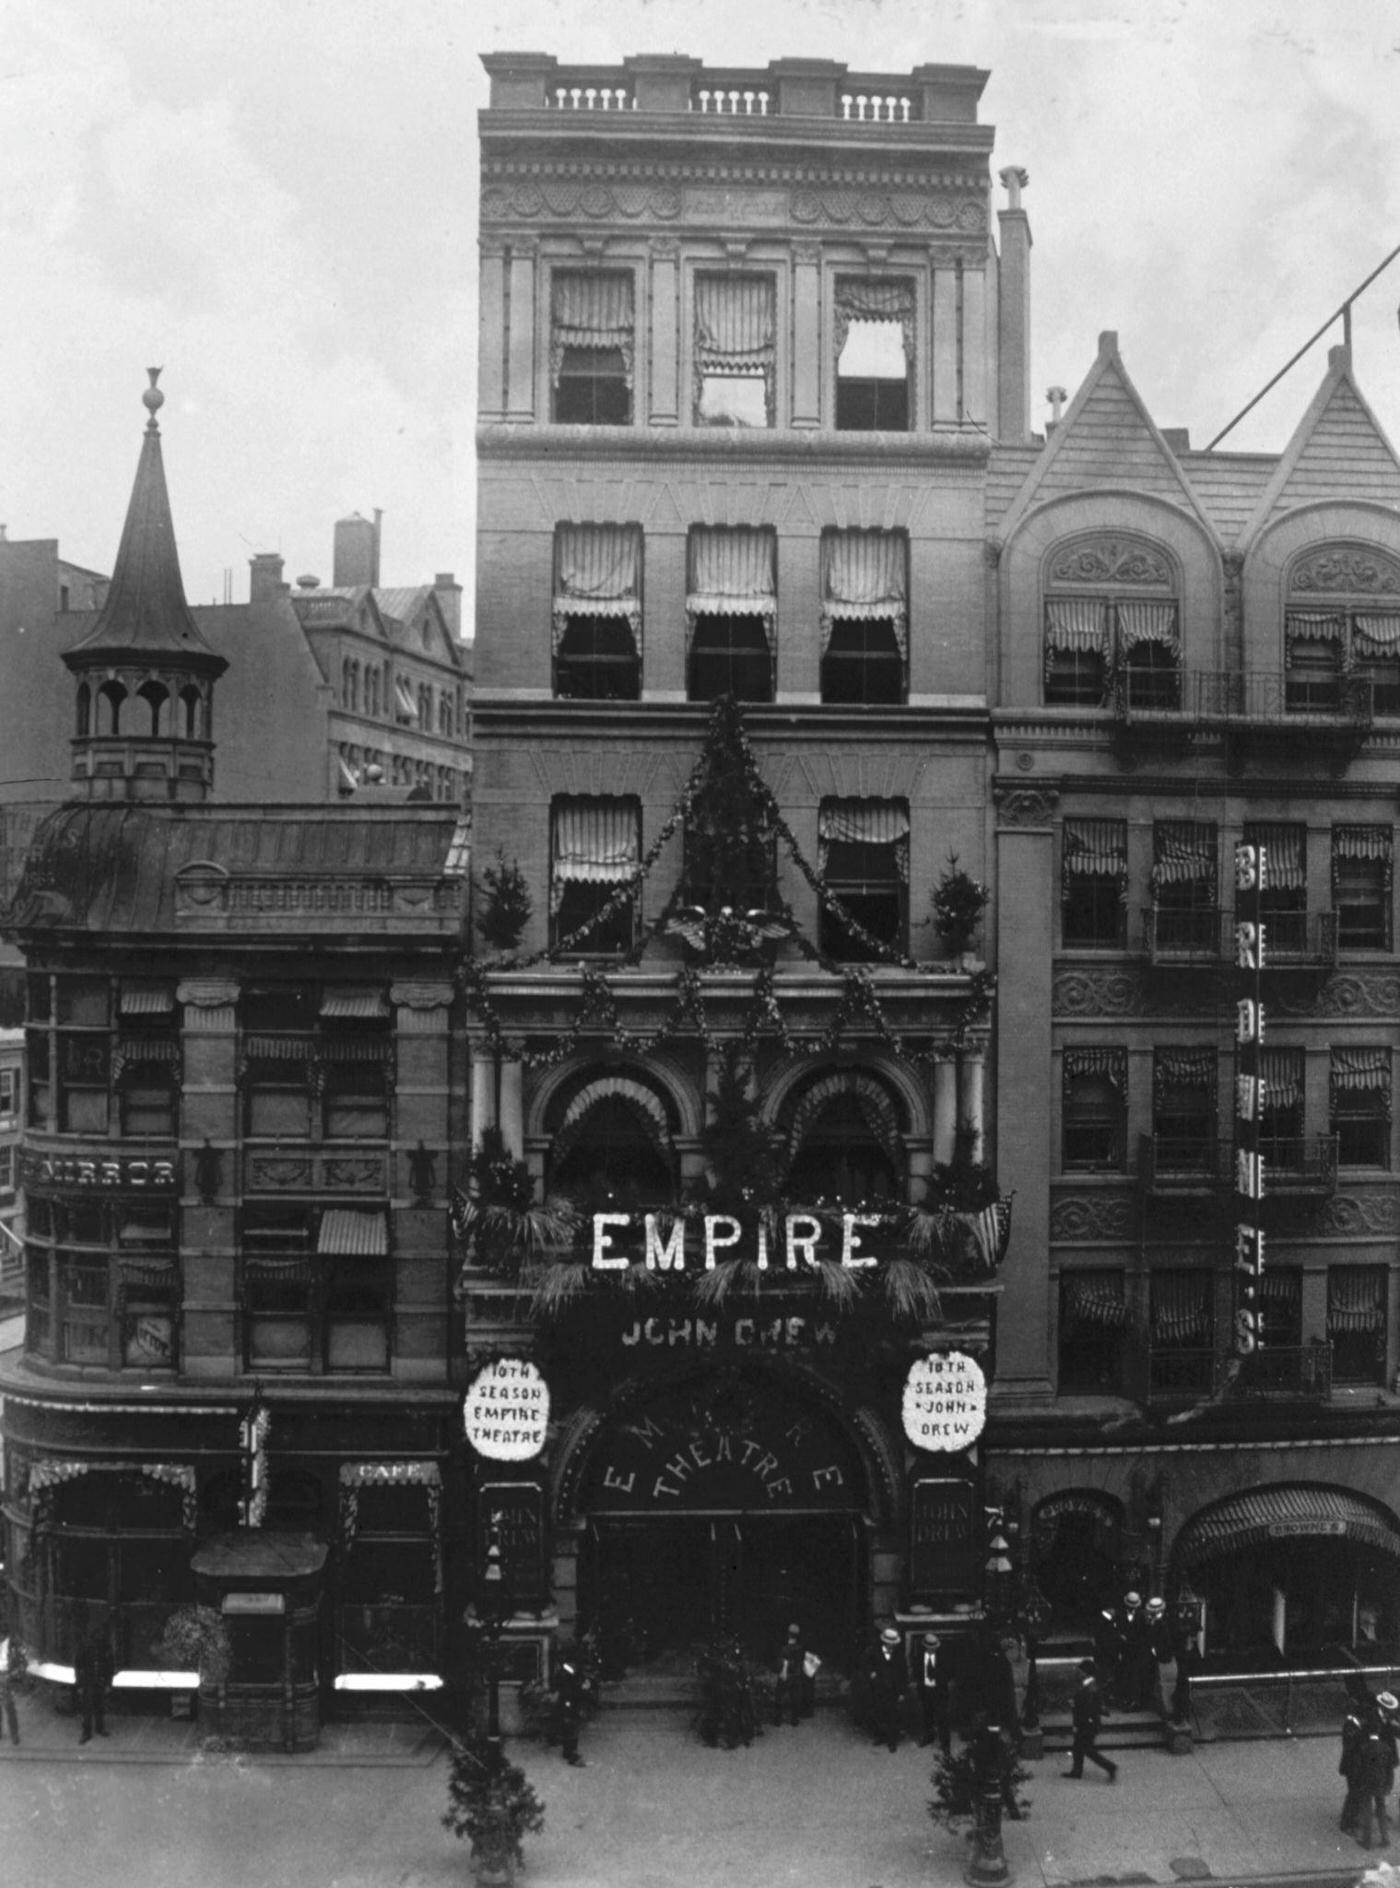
110	698
157	699
611	1136
1112	620
1342	629
844	1141
192	724
84	711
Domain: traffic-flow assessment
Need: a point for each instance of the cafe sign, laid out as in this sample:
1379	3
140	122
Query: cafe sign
945	1402
506	1410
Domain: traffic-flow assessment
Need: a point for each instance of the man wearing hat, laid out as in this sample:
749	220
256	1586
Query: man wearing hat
1138	1668
935	1703
791	1689
889	1683
1087	1712
1159	1639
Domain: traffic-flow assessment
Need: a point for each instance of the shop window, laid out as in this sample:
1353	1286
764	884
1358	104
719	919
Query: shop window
1184	1110
595	849
865	617
1094	884
1094	1110
591	348
874	355
1360	1090
1361	886
597	615
1356	1322
1185	895
734	350
863	859
1092	1333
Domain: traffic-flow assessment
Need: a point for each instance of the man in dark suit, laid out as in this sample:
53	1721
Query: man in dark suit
791	1690
93	1672
1088	1717
568	1704
935	1703
889	1682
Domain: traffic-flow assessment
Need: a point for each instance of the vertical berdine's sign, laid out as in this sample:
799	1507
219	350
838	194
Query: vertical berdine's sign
1251	875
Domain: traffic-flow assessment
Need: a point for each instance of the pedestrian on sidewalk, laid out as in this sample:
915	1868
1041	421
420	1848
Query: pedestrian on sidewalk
935	1703
1359	1709
1137	1670
1373	1774
568	1704
1088	1718
93	1671
1108	1648
791	1691
11	1665
889	1685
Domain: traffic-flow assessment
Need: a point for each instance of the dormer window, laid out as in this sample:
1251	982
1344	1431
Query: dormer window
1341	631
591	348
1109	625
874	355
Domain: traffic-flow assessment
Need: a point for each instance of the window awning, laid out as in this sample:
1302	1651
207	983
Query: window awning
1092	1063
1265	1514
1313	626
734	324
1185	853
859	299
1376	635
598	572
1282	1072
1148	622
1076	623
404	692
354	1000
591	309
1355	1299
1361	1068
1099	1305
278	1048
1181	1307
147	999
1096	848
349	1233
733	571
877	1110
594	840
864	823
864	578
642	1102
1286	848
1184	1068
1363	842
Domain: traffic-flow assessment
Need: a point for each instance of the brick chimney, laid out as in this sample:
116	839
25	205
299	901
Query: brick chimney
448	592
265	577
1014	314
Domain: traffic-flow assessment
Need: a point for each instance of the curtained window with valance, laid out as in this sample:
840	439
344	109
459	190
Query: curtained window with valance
731	611
591	346
863	859
1093	1329
1093	881
875	349
597	612
864	616
1149	653
595	851
735	330
1361	1108
1281	1121
1316	653
1362	873
1078	645
1093	1108
1375	647
1184	855
1182	1312
1357	1318
1184	1109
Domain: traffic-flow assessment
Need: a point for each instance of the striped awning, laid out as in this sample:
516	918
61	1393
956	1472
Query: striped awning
645	1105
348	1233
1096	848
1362	842
1355	1299
1185	852
1376	634
1282	1072
877	1110
1360	1068
1286	850
1098	1303
1266	1514
354	999
147	999
1076	623
1107	1065
278	1048
595	840
1181	1307
1148	622
1184	1068
1313	626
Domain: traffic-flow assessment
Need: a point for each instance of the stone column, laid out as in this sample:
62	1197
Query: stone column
512	1106
491	333
945	1110
483	1067
974	342
807	364
945	343
1014	313
520	357
209	1143
974	1070
663	380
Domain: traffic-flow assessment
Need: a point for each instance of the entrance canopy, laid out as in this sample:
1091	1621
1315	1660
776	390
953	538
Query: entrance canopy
1276	1514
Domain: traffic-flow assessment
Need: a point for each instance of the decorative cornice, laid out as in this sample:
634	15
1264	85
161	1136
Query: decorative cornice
207	993
555	447
1109	560
1080	1218
1340	570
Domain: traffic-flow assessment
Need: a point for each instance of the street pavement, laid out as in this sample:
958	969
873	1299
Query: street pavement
154	1804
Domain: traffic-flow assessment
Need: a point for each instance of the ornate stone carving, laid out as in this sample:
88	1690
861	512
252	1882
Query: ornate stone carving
1115	991
1025	762
1026	806
879	208
665	249
1377	1213
1341	569
1084	1216
807	255
1351	993
563	198
1111	561
207	993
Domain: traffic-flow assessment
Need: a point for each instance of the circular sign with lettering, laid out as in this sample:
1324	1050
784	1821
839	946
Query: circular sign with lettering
945	1402
506	1410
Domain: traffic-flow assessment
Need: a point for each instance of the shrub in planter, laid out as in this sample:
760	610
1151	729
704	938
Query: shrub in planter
958	903
196	1639
493	1810
506	903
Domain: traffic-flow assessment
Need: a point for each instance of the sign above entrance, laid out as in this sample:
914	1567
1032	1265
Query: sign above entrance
669	1241
506	1411
945	1402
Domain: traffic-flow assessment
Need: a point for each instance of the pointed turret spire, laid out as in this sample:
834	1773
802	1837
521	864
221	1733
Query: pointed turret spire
145	673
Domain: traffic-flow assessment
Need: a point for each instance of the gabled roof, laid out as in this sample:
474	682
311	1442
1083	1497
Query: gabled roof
1339	451
1107	438
145	614
348	607
407	607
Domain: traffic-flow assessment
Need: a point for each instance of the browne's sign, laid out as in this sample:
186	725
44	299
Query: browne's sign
945	1402
506	1411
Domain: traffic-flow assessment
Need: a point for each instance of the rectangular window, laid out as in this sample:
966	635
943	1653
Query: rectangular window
863	858
1283	901
149	1299
1077	643
597	620
865	617
356	1091
1356	1322
734	350
1092	1334
1314	654
874	355
277	1089
1184	1110
1182	1332
278	1277
595	848
1094	1092
1149	654
1281	1123
731	612
1281	1306
1185	897
1361	886
1375	642
9	1092
591	348
1093	884
1360	1089
356	1279
84	1285
7	1170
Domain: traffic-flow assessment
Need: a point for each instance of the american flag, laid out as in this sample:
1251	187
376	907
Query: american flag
990	1229
460	1213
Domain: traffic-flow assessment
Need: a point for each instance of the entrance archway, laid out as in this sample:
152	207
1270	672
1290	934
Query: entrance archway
1076	1554
732	1502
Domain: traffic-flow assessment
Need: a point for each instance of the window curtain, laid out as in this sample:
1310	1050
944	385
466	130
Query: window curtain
864	576
1282	1073
1075	623
1313	626
858	300
877	1110
1356	1069
1097	1304
735	329
1185	854
591	311
1148	622
1109	1065
1362	842
1181	1308
1287	848
1376	636
1184	1068
1096	848
598	572
1355	1300
864	823
595	841
733	571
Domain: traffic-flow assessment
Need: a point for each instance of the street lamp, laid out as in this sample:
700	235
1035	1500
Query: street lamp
998	1572
492	1617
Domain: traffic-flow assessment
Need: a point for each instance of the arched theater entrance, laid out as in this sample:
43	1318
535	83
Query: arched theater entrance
732	1502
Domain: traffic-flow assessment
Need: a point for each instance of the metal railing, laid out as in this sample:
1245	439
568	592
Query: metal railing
1296	1372
1184	934
1296	1165
1236	698
1173	1371
1170	1163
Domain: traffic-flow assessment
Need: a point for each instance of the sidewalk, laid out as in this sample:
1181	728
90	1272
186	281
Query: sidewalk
817	1806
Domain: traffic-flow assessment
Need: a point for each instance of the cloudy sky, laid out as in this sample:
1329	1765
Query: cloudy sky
275	200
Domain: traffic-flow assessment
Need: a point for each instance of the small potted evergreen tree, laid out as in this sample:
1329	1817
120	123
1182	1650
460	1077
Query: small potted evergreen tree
506	903
493	1805
958	903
